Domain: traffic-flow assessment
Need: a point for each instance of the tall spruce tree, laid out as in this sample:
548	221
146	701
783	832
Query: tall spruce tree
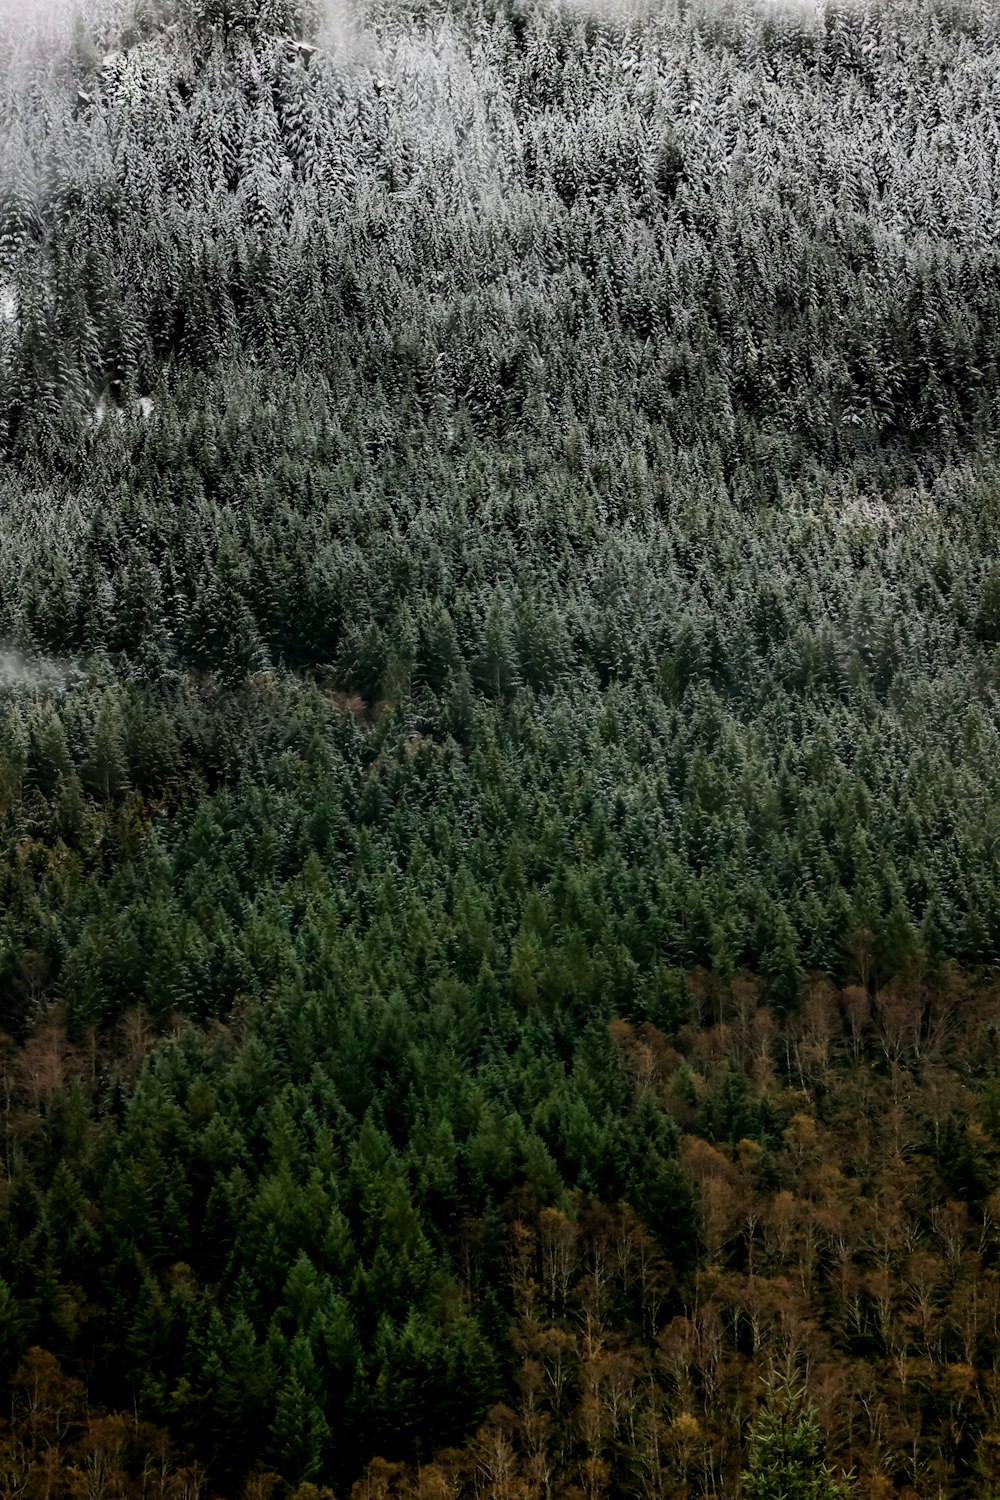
785	1453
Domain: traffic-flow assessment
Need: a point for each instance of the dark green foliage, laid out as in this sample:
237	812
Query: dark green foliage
497	512
785	1459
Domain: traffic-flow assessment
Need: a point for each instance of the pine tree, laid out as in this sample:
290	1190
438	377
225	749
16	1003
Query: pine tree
300	1432
785	1458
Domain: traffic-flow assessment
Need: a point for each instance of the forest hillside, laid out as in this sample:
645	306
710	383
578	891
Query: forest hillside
499	750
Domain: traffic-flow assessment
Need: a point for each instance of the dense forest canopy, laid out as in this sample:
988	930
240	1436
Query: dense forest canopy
499	765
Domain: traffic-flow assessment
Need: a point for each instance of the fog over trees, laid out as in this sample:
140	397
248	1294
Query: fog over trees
499	750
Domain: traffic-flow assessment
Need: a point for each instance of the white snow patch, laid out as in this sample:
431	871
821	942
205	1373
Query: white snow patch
853	511
44	672
142	406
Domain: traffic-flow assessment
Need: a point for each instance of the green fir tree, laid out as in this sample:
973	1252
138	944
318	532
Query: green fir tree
785	1454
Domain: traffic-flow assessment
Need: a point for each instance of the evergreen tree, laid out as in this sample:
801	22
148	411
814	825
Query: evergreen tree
784	1451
